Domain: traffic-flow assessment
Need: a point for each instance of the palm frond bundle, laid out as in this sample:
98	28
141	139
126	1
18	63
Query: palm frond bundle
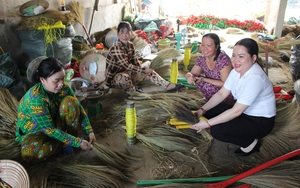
184	113
192	98
276	56
77	11
146	105
138	42
39	177
32	22
161	63
178	165
8	114
285	133
285	174
166	130
10	149
165	143
77	171
114	159
85	175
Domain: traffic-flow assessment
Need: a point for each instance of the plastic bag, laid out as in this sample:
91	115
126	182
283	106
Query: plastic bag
295	61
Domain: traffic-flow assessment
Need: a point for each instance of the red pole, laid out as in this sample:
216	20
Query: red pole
254	170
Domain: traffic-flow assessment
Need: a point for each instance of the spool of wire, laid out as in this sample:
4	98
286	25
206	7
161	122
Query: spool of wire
174	71
187	58
130	123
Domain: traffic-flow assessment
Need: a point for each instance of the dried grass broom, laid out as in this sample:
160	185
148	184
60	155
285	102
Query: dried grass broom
10	149
161	63
114	159
8	114
166	143
285	133
285	174
77	10
84	175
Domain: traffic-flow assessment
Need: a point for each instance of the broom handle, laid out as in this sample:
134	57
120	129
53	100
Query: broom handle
247	173
95	9
188	180
88	36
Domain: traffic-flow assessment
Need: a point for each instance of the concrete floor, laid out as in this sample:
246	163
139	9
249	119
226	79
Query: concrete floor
220	156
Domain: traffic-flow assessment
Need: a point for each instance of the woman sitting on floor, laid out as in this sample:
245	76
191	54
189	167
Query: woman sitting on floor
123	70
49	116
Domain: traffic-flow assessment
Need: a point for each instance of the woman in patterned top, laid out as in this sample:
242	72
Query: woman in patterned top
123	70
49	115
211	69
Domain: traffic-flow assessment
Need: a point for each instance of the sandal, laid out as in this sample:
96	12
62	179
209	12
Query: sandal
176	88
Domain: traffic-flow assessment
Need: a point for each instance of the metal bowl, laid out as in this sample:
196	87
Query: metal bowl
91	95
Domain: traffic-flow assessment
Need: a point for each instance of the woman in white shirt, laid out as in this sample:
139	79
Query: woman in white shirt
253	114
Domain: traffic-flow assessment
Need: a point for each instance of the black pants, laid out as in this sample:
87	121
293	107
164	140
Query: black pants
242	130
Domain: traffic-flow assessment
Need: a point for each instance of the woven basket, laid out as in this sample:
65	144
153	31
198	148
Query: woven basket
14	174
42	3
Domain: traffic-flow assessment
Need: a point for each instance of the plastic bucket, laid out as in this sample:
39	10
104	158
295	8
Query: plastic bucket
163	44
195	47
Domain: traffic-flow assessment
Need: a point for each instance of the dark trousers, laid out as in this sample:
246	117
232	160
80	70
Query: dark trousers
241	130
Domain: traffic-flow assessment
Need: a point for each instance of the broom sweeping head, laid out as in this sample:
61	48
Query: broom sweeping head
77	11
285	174
184	113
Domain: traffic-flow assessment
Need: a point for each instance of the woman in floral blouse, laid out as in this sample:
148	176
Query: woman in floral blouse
49	115
211	68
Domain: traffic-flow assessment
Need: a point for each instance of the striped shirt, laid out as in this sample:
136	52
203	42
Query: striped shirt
121	58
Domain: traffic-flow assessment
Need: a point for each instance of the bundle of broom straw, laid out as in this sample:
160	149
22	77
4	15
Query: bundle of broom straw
285	174
8	114
285	134
77	11
106	169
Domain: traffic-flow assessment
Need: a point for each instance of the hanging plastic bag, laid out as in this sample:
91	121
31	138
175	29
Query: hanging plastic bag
295	61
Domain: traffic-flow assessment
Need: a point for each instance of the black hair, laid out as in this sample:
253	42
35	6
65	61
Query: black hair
252	48
47	68
124	24
217	42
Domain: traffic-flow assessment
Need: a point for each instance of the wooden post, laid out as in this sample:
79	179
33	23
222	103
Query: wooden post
268	12
280	18
132	6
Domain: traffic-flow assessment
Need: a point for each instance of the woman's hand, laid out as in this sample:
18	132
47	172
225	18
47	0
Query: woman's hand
85	145
200	126
190	78
198	79
199	113
92	137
